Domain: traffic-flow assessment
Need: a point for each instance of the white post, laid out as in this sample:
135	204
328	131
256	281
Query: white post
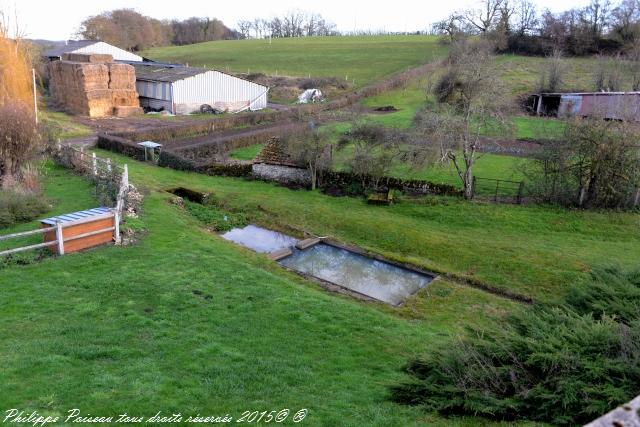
94	162
637	200
116	224
109	165
125	177
82	154
60	238
35	96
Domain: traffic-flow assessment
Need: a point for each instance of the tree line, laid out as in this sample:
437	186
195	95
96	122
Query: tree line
518	26
133	31
294	23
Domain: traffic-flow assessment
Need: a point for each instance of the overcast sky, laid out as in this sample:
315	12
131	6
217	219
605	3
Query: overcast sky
59	19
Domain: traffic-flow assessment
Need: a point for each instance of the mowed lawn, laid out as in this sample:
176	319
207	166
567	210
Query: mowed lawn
365	59
185	322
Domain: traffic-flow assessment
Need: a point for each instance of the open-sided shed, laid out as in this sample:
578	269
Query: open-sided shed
184	90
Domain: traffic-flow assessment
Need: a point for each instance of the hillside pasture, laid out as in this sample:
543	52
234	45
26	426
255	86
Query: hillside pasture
364	59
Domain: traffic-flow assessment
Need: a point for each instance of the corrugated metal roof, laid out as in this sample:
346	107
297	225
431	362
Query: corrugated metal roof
75	216
156	72
588	93
70	46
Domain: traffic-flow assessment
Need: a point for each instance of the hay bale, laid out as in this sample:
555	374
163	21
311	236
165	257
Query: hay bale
124	98
127	111
92	58
89	89
122	76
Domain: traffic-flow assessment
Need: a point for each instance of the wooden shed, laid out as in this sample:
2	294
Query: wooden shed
82	230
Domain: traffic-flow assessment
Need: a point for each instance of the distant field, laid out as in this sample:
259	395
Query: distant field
521	74
364	59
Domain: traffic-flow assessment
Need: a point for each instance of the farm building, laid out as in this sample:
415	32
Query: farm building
90	46
183	90
608	105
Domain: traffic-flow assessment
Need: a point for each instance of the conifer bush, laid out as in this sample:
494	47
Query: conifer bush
565	365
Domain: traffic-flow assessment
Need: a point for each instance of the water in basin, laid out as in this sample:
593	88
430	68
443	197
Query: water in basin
376	279
259	239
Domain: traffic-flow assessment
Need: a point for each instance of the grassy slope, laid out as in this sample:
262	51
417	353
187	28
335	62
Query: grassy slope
411	99
522	73
364	59
534	250
68	126
120	329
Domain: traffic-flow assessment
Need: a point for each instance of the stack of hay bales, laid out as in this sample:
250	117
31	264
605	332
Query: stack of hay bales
93	85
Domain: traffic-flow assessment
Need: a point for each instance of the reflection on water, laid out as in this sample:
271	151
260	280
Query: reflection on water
380	280
259	239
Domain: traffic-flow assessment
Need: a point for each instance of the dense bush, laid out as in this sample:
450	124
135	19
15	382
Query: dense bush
565	365
596	165
17	207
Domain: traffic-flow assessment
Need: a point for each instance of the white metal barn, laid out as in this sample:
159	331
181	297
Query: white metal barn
90	46
184	90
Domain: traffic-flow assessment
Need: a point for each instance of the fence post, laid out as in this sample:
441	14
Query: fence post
116	224
94	162
497	188
109	165
60	238
520	192
636	202
82	154
125	177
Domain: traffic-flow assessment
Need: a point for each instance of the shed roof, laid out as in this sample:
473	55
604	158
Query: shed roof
76	216
157	72
67	47
588	93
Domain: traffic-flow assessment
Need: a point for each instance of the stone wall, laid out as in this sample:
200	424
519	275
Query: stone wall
285	175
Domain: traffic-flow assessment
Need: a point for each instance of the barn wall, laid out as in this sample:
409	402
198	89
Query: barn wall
117	53
218	90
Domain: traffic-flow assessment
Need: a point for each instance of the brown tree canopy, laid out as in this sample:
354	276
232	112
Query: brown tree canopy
133	31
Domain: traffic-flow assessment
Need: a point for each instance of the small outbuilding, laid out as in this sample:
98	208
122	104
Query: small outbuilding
608	105
90	46
184	90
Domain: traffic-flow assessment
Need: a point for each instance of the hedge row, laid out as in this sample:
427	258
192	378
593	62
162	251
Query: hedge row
121	145
347	183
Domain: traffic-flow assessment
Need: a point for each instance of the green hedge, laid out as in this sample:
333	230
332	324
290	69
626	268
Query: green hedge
350	184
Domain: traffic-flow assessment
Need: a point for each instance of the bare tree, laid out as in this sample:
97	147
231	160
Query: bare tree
474	103
312	149
484	18
244	27
527	17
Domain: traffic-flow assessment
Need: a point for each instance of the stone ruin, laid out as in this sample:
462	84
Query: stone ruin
93	85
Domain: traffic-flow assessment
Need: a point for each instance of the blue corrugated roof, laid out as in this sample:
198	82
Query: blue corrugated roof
75	216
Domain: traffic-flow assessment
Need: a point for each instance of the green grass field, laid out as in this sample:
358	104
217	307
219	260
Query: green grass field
365	59
246	153
122	329
534	250
521	74
187	322
411	99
